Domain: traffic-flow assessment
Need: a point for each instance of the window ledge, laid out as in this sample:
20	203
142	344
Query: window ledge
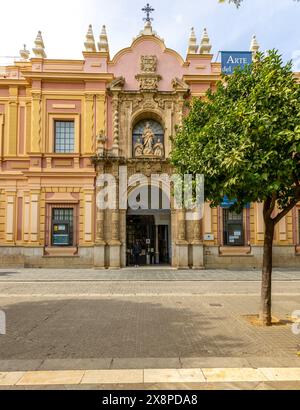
60	251
235	251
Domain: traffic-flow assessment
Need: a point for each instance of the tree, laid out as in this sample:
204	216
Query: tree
237	2
245	139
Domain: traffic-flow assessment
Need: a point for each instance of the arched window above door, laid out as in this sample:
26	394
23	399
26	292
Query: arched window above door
148	139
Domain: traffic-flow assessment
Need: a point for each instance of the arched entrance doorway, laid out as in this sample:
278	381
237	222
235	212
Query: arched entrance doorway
151	229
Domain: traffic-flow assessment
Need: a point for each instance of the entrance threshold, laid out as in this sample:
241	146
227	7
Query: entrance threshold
150	268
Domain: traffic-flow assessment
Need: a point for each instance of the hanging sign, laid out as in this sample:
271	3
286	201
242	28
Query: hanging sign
234	59
227	203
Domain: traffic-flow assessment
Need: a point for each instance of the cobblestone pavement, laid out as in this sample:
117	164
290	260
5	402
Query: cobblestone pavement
54	332
58	321
149	274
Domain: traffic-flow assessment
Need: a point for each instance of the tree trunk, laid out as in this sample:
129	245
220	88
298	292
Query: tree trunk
266	294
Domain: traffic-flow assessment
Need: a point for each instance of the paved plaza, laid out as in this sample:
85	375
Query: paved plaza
72	320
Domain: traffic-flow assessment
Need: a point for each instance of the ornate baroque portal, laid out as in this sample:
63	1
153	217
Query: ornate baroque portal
143	120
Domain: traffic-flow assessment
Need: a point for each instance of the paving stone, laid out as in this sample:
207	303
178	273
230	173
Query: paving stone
281	374
75	364
213	362
174	376
51	378
9	379
147	363
113	377
233	375
19	365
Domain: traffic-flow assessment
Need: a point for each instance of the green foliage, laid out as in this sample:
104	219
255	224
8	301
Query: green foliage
237	2
245	136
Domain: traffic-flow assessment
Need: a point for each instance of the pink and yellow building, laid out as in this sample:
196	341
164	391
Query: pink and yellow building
64	123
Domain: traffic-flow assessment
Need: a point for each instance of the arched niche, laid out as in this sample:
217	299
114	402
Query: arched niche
148	138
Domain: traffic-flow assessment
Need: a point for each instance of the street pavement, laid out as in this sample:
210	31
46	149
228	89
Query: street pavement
72	320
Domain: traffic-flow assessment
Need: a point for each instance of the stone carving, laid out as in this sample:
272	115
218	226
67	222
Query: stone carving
180	85
138	149
117	84
148	78
100	140
148	82
148	64
147	147
148	140
159	149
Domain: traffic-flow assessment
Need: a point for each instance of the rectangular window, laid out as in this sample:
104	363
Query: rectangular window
233	228
62	227
64	137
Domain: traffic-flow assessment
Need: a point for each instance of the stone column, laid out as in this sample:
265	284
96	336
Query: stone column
100	244
198	249
156	245
99	255
115	110
181	243
115	243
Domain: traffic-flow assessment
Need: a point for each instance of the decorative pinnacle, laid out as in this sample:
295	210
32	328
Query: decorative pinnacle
89	44
205	46
254	46
39	49
148	10
24	53
103	41
193	48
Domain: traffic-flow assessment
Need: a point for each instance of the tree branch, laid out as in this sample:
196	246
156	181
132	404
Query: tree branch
285	211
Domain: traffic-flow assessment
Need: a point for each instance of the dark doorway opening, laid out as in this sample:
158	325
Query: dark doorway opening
153	240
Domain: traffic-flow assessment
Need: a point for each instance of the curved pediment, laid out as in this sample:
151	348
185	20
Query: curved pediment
130	64
141	39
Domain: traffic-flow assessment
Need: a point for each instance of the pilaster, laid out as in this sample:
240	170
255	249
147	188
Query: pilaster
10	220
89	128
181	243
36	123
12	122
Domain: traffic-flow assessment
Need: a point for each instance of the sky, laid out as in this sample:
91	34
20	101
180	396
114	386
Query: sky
64	24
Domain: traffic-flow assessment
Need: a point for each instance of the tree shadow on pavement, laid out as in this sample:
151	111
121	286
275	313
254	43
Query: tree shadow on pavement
103	328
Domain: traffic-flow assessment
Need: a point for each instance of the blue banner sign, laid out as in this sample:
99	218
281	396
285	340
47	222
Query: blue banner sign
234	59
227	203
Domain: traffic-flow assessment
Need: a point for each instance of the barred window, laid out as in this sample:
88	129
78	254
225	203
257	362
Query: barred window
62	226
64	137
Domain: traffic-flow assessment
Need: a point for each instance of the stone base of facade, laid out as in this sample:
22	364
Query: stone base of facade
283	257
187	256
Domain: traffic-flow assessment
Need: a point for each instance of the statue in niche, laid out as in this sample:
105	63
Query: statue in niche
148	137
158	149
138	149
148	140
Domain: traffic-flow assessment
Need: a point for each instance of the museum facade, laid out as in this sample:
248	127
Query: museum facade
66	123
